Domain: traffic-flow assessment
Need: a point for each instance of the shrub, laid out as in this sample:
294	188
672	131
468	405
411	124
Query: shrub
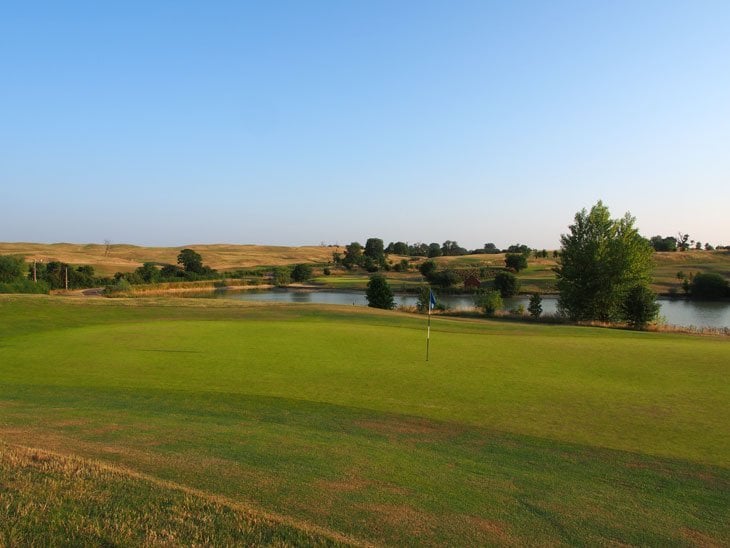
535	306
489	301
507	284
281	276
445	278
11	268
515	261
709	285
121	285
379	294
640	307
23	285
427	269
301	273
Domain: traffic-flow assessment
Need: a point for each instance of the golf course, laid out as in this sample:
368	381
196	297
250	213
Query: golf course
184	421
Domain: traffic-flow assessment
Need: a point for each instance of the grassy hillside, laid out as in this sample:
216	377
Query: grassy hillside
125	258
511	434
539	276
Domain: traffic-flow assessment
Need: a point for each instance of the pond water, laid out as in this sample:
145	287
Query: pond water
675	312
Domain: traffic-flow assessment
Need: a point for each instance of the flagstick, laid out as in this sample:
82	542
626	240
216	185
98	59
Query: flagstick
428	332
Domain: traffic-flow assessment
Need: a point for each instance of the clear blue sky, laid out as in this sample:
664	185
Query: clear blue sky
169	123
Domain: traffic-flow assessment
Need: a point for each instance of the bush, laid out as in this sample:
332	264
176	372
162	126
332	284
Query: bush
507	284
640	307
709	285
445	278
281	277
379	294
519	310
402	266
515	261
535	306
327	271
301	273
11	268
489	301
427	269
121	285
23	285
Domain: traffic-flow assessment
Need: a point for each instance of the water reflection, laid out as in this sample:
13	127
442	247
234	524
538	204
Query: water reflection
674	312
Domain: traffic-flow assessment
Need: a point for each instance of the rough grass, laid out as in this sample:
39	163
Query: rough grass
125	258
48	499
667	264
512	434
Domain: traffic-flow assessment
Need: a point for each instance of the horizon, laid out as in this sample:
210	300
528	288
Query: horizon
294	125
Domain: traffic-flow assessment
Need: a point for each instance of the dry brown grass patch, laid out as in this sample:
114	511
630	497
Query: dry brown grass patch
125	258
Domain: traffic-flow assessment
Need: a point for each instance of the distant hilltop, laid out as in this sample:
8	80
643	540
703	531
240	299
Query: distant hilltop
110	258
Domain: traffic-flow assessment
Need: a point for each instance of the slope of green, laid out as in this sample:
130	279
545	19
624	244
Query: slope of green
512	433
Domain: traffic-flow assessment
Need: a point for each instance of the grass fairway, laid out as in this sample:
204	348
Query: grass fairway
511	434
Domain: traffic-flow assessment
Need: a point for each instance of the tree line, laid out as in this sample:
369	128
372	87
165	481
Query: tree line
603	273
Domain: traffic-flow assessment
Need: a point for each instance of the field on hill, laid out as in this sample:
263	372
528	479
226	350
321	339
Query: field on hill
328	420
125	258
538	277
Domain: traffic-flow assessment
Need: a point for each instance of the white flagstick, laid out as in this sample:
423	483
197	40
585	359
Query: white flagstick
428	331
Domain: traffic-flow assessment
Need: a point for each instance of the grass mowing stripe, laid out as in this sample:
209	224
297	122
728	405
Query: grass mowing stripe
557	385
514	433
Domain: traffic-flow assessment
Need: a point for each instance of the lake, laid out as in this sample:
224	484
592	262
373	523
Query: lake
675	312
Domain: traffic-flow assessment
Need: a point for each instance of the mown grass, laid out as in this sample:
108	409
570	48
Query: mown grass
511	434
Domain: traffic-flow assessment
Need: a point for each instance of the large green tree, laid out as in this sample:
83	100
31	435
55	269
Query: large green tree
602	260
374	250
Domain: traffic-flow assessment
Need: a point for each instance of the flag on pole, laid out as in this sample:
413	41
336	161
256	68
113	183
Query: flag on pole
431	305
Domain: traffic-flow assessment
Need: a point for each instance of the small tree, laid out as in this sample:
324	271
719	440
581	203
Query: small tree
489	301
301	273
507	284
191	261
434	250
353	256
535	306
515	261
379	294
640	307
149	273
683	241
427	269
11	268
